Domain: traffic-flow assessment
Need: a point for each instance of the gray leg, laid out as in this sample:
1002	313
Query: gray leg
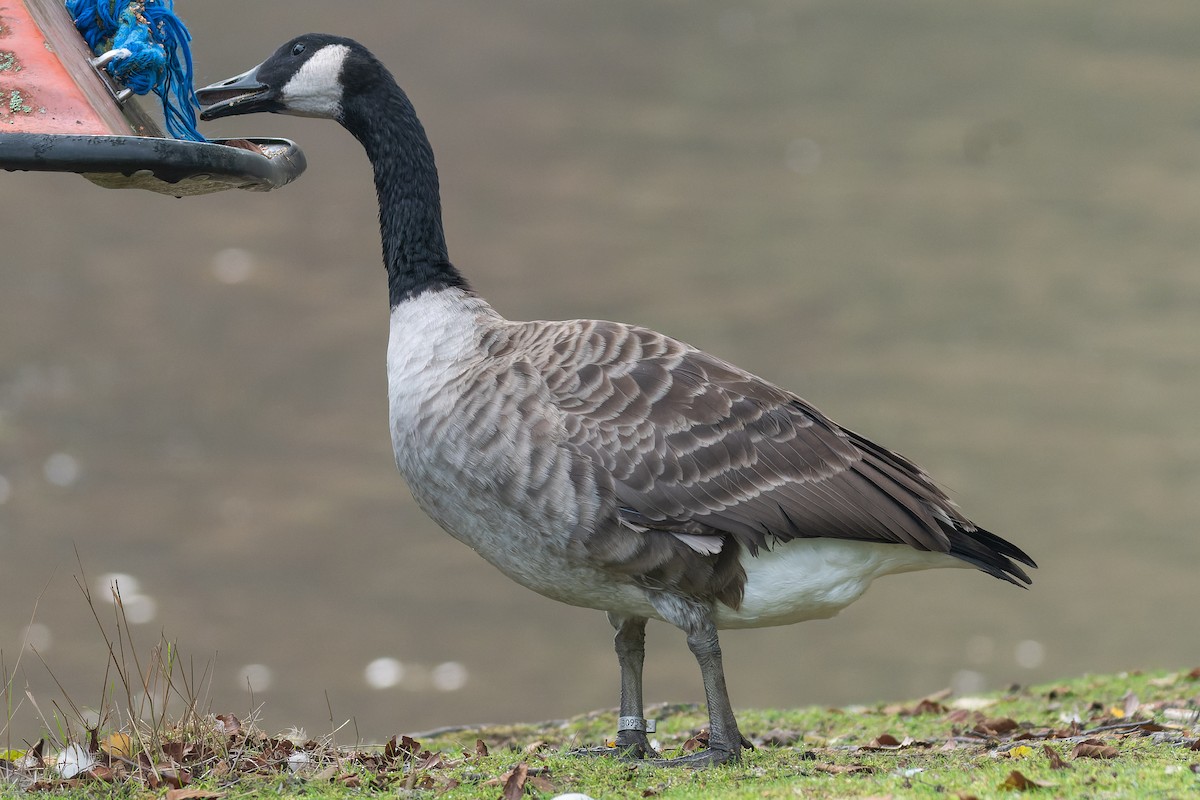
725	742
724	739
630	643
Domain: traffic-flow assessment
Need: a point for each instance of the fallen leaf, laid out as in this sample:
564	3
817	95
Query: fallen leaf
925	706
778	737
972	703
995	727
1195	745
535	747
542	784
844	769
481	748
193	794
1165	680
1130	704
117	744
1094	748
1021	751
228	724
1194	675
175	778
514	782
884	741
1019	782
965	796
177	751
1056	761
101	773
325	775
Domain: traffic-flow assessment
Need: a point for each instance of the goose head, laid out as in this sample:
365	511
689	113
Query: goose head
310	76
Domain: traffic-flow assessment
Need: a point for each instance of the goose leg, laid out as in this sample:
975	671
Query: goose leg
725	741
630	643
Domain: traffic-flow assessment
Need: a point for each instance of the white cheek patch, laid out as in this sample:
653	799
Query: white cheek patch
316	89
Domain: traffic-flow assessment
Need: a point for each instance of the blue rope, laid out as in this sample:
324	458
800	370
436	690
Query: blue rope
159	58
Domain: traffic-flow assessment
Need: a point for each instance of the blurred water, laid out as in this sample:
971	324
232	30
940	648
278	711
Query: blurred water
967	231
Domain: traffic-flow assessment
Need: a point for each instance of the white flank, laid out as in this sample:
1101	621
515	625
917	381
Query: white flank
816	578
316	89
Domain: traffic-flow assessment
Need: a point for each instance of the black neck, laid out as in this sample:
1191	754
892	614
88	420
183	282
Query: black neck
406	181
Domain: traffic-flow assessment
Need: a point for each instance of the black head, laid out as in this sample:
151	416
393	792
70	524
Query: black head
311	76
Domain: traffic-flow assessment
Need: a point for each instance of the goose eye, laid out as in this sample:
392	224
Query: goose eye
298	48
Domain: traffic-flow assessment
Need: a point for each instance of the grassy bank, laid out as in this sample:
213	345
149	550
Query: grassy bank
1127	735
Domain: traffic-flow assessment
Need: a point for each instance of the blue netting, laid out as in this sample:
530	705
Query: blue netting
159	59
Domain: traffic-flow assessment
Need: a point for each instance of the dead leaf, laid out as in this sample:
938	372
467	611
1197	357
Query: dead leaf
1131	704
325	775
117	744
1021	751
228	724
514	782
542	784
1019	782
965	796
193	794
696	742
175	778
1195	745
884	741
778	737
102	773
997	726
535	747
925	706
481	748
1194	675
178	751
844	769
1056	761
1094	748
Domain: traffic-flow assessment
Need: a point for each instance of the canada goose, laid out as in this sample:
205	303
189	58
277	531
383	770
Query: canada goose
602	464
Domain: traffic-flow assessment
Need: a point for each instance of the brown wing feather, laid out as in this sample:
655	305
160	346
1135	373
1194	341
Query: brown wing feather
693	444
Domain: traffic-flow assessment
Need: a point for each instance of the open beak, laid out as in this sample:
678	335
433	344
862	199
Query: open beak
241	94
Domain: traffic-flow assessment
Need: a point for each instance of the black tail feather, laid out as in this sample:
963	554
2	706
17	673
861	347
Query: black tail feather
990	553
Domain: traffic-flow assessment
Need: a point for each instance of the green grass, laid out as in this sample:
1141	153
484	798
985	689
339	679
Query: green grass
938	748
